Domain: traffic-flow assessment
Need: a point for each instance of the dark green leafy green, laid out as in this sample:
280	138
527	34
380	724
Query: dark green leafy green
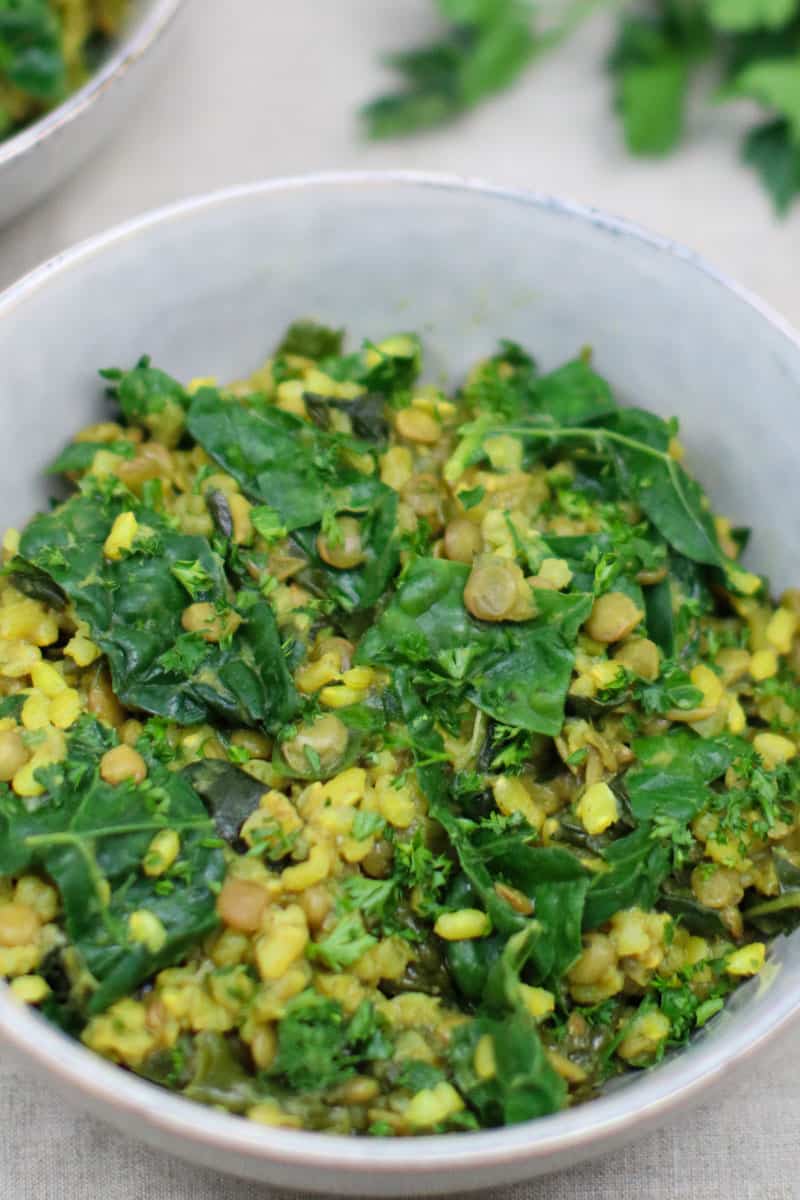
345	944
658	616
556	883
636	866
89	836
219	1075
651	64
676	769
302	474
516	672
358	588
367	414
79	456
318	1047
660	51
672	690
774	153
524	1085
149	398
311	340
485	49
133	607
636	444
681	904
31	57
470	960
551	877
229	794
36	583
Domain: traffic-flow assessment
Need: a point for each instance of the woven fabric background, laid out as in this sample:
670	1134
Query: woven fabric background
255	88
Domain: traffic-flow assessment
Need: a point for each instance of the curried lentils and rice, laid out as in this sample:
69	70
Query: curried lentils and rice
378	760
48	49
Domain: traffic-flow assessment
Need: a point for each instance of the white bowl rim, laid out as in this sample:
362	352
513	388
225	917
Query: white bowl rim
134	43
602	1122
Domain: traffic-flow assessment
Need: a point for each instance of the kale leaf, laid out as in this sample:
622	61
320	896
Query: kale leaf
303	474
133	607
676	769
636	866
149	398
483	51
360	587
524	1084
91	838
229	794
79	456
516	672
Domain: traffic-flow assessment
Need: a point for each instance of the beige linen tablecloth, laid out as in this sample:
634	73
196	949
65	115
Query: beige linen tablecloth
257	88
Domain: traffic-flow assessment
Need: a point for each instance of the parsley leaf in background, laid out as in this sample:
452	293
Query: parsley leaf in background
752	46
651	69
488	44
770	150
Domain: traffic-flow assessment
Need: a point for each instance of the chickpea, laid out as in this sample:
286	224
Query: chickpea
649	578
513	896
13	754
716	887
462	540
378	863
414	425
316	903
597	958
264	1047
121	764
539	581
19	924
734	663
101	700
213	626
423	496
496	591
641	656
612	618
257	745
241	904
240	515
152	461
344	550
358	1090
280	564
326	738
341	647
131	731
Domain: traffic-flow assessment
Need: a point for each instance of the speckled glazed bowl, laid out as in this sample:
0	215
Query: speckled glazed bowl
47	152
205	287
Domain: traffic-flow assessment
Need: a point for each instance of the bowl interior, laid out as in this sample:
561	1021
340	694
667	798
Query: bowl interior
207	288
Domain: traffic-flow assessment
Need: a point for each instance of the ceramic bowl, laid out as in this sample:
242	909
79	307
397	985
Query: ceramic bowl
206	287
47	152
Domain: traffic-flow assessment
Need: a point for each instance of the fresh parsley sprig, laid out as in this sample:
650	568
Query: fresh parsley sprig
748	48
